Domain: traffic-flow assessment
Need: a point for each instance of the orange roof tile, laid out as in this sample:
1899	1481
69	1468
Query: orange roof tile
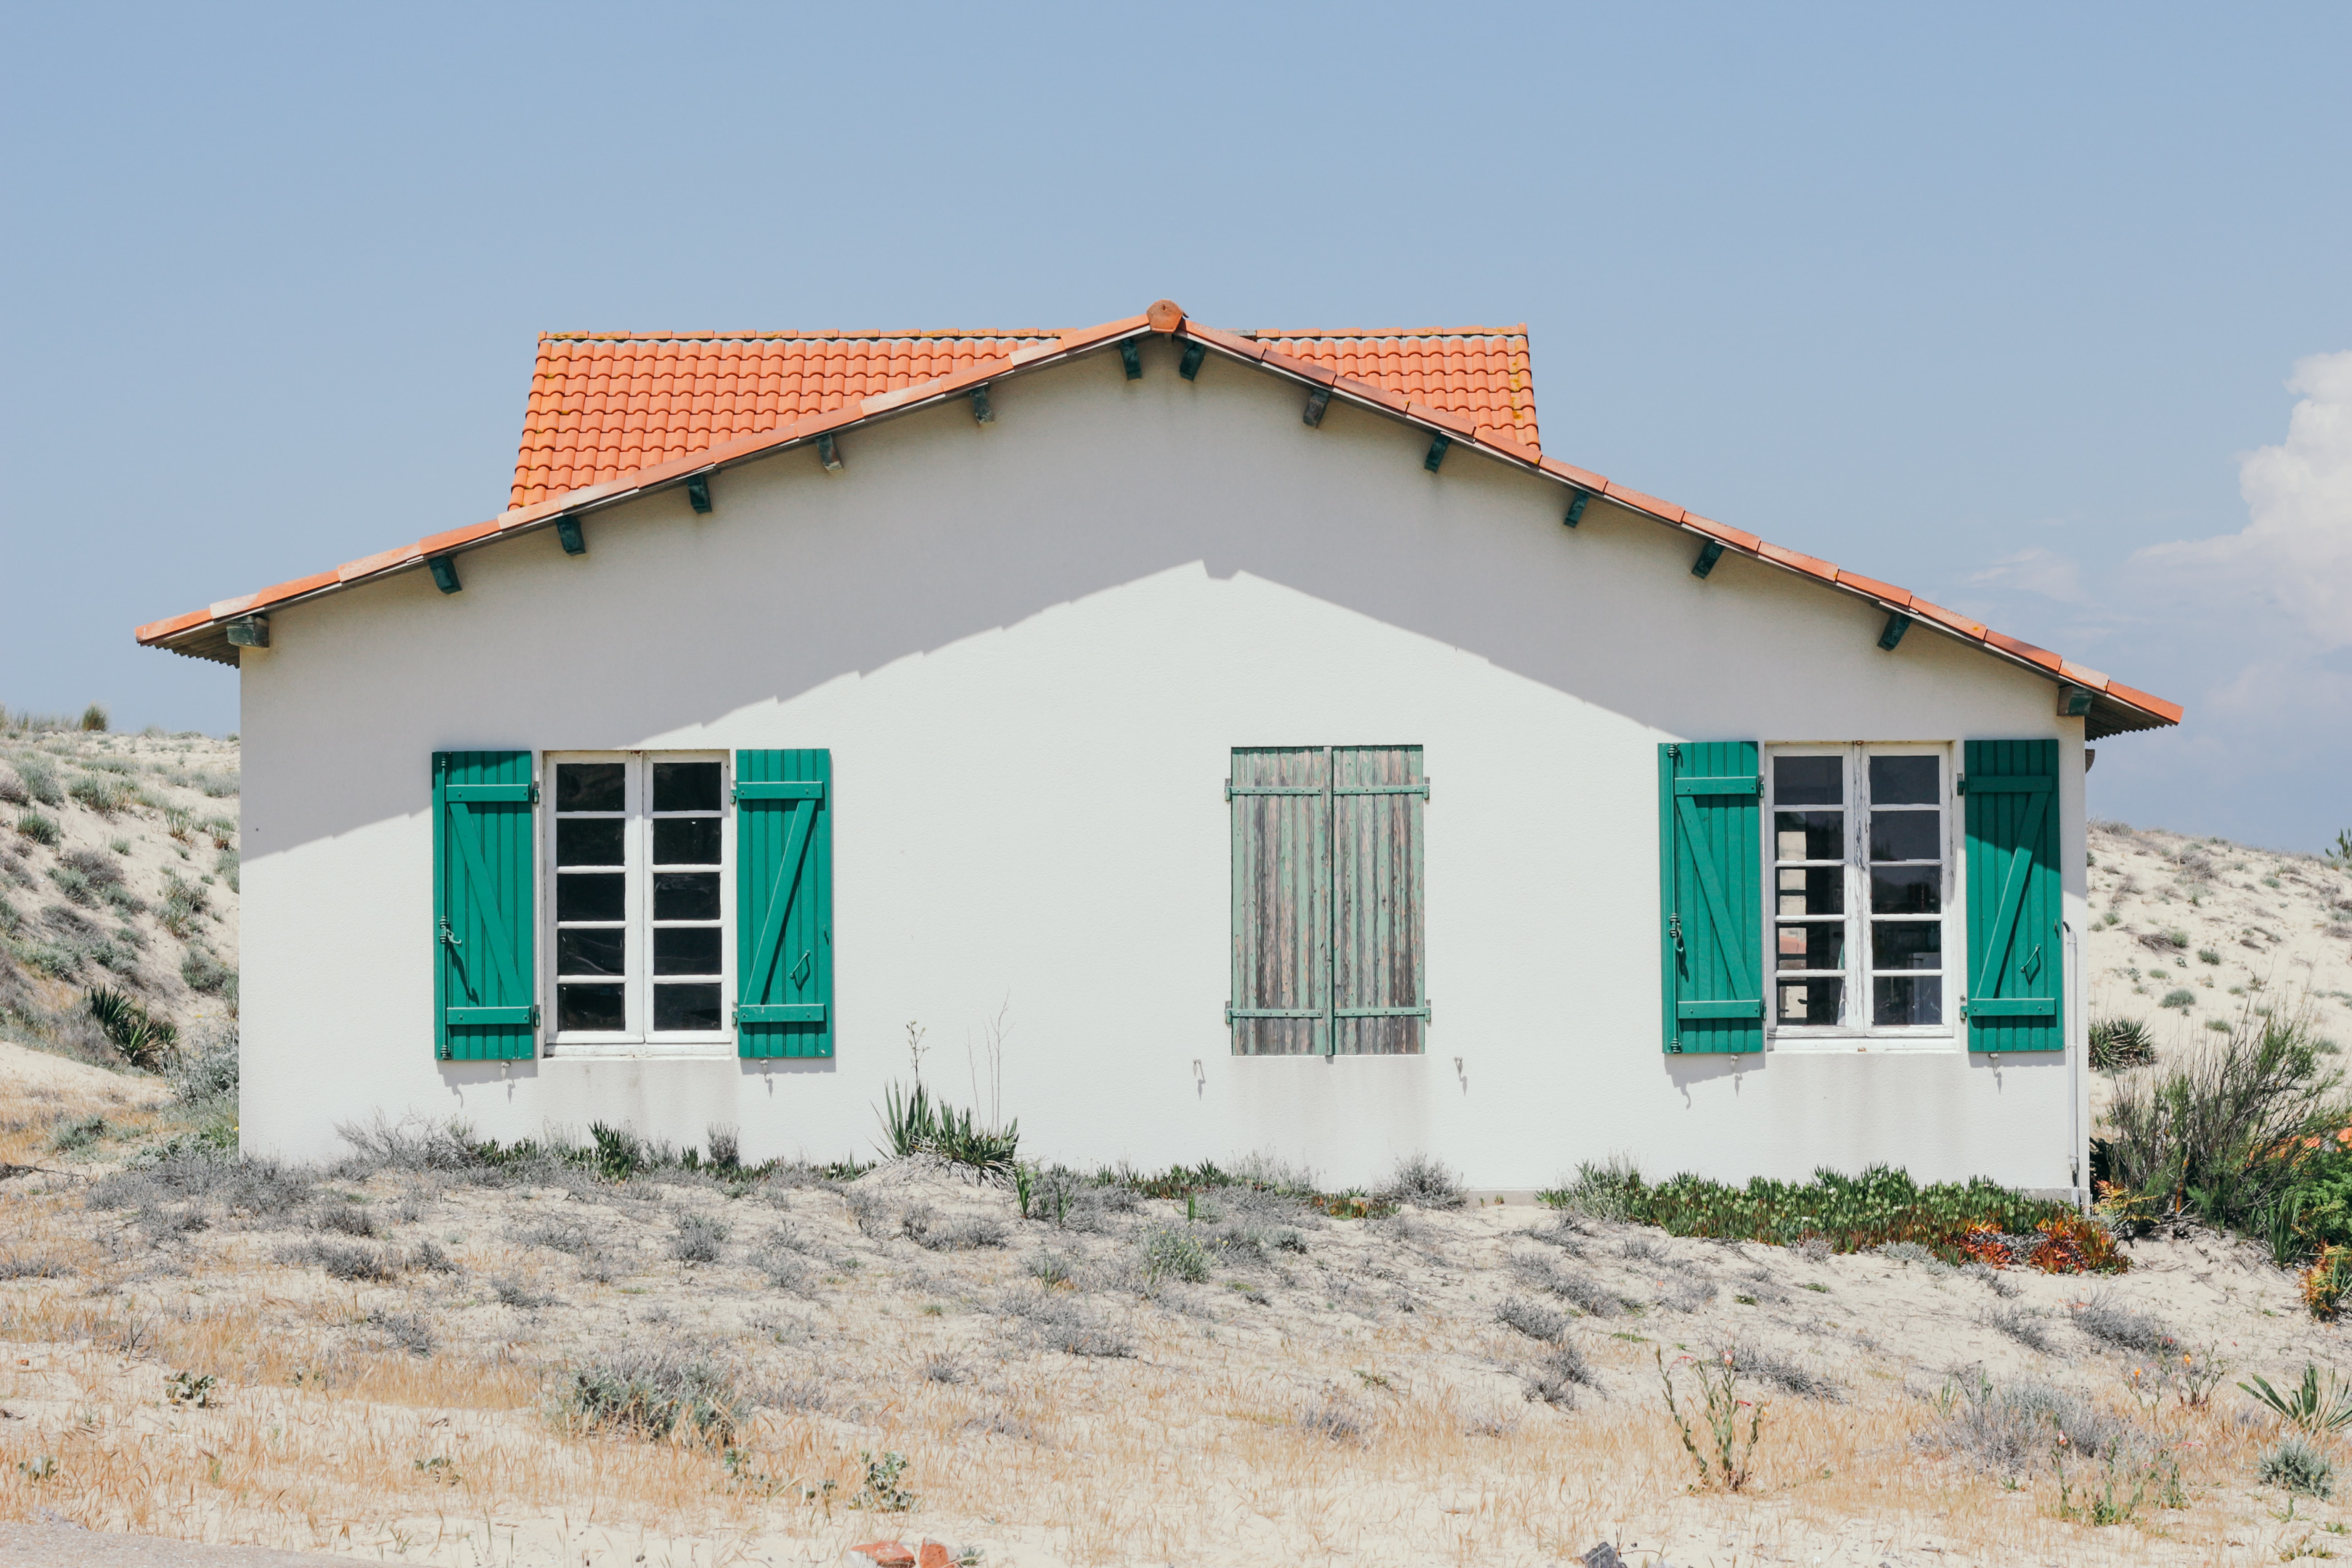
617	416
607	403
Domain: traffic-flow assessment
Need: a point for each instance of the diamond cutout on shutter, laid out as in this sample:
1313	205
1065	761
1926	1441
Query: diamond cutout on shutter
801	971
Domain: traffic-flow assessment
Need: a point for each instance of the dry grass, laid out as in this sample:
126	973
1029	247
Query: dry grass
1290	1406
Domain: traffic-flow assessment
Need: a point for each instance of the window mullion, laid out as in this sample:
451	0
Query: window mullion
640	938
1857	894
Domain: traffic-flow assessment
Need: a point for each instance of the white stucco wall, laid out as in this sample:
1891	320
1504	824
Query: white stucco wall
1030	647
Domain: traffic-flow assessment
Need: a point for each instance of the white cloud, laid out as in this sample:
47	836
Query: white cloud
2294	555
2034	570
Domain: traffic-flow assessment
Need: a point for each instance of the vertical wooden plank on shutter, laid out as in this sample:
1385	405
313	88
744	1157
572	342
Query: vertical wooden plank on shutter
1282	913
2016	943
783	903
486	972
1380	987
1711	898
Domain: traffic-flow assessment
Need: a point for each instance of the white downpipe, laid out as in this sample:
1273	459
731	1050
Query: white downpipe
2077	1041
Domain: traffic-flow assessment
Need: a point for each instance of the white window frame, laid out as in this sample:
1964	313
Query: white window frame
639	1038
1854	1030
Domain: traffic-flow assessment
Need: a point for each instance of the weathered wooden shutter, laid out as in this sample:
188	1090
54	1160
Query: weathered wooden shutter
485	970
1380	1000
1281	902
1328	925
1710	856
2016	954
783	903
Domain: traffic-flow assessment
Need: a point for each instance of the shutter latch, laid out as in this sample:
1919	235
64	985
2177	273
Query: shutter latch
450	938
1675	931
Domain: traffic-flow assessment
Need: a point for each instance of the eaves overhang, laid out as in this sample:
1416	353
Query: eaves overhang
2112	708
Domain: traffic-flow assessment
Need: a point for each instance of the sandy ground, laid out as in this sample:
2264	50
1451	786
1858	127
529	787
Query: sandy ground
390	1348
1331	1388
2215	928
178	833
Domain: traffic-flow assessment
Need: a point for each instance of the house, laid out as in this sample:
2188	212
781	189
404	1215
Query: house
1257	732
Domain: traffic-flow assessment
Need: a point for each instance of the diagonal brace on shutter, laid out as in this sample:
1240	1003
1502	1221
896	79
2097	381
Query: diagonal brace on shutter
477	876
2013	897
779	898
1719	910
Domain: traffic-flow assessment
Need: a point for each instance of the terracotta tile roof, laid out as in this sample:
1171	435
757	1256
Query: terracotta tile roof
683	429
607	403
604	404
1481	374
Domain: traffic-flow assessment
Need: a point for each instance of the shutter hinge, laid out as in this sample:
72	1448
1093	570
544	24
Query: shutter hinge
534	1016
1960	784
450	938
1675	929
732	798
534	792
1674	752
1229	800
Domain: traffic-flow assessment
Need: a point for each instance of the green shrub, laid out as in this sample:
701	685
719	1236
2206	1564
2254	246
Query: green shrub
2183	999
2298	1468
179	822
1853	1213
656	1391
1173	1251
2207	955
40	829
208	1072
2240	1137
221	830
145	1041
40	778
914	1123
201	973
93	719
2117	1043
226	867
101	793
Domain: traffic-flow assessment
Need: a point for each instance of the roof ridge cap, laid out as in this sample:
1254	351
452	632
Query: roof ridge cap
1262	332
806	335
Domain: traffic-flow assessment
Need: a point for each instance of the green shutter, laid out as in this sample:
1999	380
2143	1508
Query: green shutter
486	964
2016	988
1711	905
783	903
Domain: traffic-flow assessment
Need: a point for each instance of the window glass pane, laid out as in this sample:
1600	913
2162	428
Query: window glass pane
686	895
686	841
686	950
589	1007
686	786
597	951
589	786
1908	999
588	841
599	897
1906	944
1809	781
1811	1001
1814	890
1905	780
1809	834
1905	889
1906	835
686	1007
1817	945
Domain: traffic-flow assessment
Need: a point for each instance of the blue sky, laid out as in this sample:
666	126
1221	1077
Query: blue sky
2001	303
